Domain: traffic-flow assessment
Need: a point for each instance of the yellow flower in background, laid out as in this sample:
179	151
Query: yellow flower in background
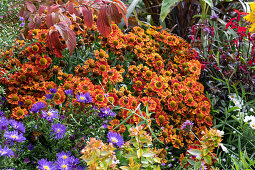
251	17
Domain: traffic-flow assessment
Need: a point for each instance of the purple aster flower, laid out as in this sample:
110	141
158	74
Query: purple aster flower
14	136
18	125
104	126
26	160
53	90
62	117
214	17
115	138
187	126
49	96
63	155
203	167
59	130
5	151
30	147
106	112
21	18
22	24
38	106
44	164
68	92
1	113
74	162
4	122
84	98
50	115
63	164
3	99
20	103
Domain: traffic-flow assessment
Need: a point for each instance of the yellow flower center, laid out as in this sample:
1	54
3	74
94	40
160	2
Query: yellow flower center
46	167
92	65
15	98
35	48
100	97
101	55
102	68
82	98
161	118
43	61
148	73
159	63
49	114
138	83
115	42
158	85
172	103
114	140
20	112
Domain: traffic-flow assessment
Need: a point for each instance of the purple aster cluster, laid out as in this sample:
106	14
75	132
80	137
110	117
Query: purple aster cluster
50	114
44	164
106	112
37	107
17	126
69	92
53	90
187	126
14	136
59	130
66	161
1	113
49	96
84	98
5	151
4	122
115	139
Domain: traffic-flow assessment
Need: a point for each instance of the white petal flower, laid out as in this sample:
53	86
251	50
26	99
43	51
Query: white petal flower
223	148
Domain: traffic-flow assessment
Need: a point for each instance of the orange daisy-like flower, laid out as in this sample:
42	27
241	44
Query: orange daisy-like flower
43	62
178	142
173	103
148	75
114	123
113	99
50	85
124	101
35	48
28	69
189	100
85	86
102	66
132	102
166	135
112	76
158	84
18	113
101	55
194	67
99	99
28	101
204	107
159	64
138	84
161	118
67	85
14	98
59	97
148	101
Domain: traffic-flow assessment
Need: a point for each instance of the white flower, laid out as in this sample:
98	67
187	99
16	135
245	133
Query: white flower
220	132
252	124
223	148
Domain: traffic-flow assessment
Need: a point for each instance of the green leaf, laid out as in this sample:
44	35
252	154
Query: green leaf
148	154
166	7
139	153
208	159
209	2
196	153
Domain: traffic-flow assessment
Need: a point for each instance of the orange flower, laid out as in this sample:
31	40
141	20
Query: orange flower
138	84
158	84
28	101
177	142
43	62
204	107
148	101
112	76
173	103
18	113
35	48
113	99
114	123
85	86
98	98
166	135
101	55
189	100
14	98
161	118
195	68
59	97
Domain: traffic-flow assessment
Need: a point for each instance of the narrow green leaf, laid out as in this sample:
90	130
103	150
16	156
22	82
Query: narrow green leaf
166	7
208	159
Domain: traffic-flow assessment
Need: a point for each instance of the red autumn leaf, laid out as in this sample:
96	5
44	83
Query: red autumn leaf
87	16
42	9
114	13
53	8
72	10
35	22
53	40
67	34
52	19
103	22
122	5
31	7
122	11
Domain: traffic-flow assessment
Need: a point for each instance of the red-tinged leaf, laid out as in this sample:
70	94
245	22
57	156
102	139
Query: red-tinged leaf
67	34
53	40
42	9
114	13
123	13
31	7
87	16
53	8
35	22
103	22
52	19
123	6
72	10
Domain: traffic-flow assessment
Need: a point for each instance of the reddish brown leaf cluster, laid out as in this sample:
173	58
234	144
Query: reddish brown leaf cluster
59	17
